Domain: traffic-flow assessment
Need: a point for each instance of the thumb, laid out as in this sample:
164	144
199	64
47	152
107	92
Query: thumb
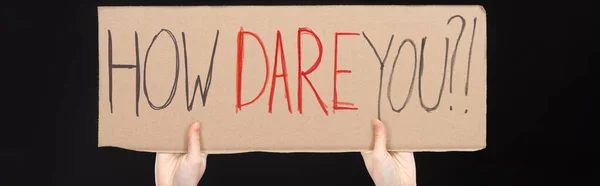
380	138
194	140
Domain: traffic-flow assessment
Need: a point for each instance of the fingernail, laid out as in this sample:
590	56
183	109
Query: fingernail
196	126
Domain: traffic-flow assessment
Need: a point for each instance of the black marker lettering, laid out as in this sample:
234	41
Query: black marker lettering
112	66
381	65
203	92
462	29
422	66
389	92
176	71
469	62
137	76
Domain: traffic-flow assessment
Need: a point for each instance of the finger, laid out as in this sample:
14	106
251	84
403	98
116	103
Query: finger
406	161
364	153
380	136
194	141
162	157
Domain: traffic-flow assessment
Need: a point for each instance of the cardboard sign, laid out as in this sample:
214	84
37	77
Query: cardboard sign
292	78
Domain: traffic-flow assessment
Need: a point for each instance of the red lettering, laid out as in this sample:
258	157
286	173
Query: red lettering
284	74
240	64
302	73
336	72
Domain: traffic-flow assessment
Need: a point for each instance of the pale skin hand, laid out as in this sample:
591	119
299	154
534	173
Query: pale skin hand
184	169
389	168
385	168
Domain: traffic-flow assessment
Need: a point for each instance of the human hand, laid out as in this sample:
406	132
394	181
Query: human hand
389	168
182	169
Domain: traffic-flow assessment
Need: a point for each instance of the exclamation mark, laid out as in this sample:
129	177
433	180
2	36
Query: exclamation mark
469	61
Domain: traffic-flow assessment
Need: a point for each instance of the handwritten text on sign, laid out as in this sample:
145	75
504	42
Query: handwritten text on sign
157	63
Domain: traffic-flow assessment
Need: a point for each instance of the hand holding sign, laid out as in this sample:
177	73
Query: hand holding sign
292	78
182	169
389	168
385	168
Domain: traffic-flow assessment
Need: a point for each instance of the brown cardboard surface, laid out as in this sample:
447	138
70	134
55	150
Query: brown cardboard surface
436	82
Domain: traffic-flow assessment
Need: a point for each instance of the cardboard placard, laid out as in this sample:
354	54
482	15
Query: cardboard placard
292	78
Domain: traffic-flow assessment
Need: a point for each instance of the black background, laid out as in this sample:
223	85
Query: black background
541	127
